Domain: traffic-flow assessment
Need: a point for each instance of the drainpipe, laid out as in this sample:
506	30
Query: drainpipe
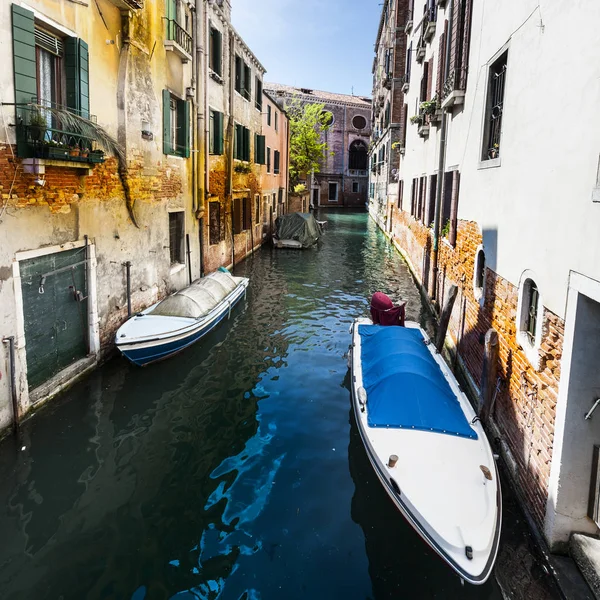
195	137
344	146
10	340
287	170
230	129
441	165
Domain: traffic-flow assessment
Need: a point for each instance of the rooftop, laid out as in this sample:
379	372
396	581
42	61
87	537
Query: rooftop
278	89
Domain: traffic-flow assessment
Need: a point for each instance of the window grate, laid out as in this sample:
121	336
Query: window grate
48	41
496	107
532	312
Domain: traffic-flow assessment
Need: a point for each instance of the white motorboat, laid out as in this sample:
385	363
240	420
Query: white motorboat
427	445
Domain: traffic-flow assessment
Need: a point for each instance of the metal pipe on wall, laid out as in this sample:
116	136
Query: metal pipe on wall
128	272
230	130
10	340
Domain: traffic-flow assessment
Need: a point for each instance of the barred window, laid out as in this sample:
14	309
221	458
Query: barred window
494	109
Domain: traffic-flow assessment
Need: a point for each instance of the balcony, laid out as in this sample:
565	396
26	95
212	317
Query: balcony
56	133
453	92
429	29
405	83
178	40
420	54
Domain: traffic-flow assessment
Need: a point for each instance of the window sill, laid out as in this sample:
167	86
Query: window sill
454	98
423	131
37	166
531	352
176	268
177	156
216	77
490	163
171	46
408	27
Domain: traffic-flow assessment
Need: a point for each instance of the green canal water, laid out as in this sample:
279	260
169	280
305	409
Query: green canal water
234	470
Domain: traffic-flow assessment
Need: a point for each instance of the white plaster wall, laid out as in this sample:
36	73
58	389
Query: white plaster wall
540	199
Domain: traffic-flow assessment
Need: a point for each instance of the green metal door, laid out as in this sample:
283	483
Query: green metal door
56	322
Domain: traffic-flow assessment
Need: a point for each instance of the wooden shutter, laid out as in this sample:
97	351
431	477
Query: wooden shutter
268	160
217	51
23	31
259	91
466	41
238	74
185	128
439	84
429	78
77	76
247	82
259	149
455	35
218	132
423	198
424	80
237	215
404	125
167	122
454	208
276	160
246	140
247	213
214	222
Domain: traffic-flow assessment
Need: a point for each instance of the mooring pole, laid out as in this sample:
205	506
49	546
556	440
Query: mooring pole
128	271
10	340
488	378
445	317
189	257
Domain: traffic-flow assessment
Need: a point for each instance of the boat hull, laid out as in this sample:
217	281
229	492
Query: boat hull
145	351
393	484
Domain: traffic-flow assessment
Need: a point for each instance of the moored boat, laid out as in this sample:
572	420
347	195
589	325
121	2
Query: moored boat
426	445
296	230
181	319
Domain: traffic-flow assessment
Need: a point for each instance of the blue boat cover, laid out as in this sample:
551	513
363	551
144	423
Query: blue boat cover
405	386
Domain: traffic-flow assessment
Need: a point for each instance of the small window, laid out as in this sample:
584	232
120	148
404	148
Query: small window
243	78
247	213
529	318
333	192
276	160
327	118
276	121
257	208
479	274
238	223
269	115
359	122
176	125
241	145
215	132
214	216
216	51
495	109
176	235
258	87
247	93
268	160
355	187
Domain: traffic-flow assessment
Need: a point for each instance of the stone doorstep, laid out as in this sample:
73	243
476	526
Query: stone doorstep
585	551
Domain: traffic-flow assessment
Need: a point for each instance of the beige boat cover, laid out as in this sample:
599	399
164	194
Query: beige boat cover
198	299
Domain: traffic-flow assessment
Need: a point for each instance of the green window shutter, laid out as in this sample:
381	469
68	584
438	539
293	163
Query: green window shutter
72	73
23	54
218	133
24	68
260	149
84	84
246	144
167	122
218	50
185	128
238	142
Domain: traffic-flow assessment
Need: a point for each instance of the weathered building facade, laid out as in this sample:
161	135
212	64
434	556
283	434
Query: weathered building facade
71	215
132	154
389	117
275	174
343	178
233	140
483	205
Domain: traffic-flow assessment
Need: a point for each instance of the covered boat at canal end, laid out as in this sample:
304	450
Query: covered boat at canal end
427	445
180	319
296	230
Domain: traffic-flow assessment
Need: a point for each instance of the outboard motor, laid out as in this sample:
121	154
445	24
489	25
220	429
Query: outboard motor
383	311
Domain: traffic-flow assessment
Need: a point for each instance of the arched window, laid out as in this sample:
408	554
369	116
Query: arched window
358	155
479	274
529	317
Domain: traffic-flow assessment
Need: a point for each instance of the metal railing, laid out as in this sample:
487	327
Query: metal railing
45	130
176	33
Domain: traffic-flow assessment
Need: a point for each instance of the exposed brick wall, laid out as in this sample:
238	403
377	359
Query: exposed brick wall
526	401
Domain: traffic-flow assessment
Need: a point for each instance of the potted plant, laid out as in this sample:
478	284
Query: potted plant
84	152
74	150
494	151
417	119
37	126
429	107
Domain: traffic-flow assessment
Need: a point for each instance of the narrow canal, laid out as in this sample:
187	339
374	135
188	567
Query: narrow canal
232	471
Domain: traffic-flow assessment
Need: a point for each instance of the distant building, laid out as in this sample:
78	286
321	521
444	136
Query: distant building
343	178
274	179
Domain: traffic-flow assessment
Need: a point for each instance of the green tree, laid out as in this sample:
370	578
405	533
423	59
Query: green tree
308	123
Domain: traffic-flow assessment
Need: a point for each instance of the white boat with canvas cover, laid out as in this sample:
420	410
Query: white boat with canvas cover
427	445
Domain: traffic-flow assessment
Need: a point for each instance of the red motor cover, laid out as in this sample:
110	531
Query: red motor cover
383	311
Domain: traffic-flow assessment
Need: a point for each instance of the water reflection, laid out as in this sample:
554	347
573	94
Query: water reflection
224	472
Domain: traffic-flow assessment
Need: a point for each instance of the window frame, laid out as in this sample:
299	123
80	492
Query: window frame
529	341
179	217
479	268
276	162
337	191
490	156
